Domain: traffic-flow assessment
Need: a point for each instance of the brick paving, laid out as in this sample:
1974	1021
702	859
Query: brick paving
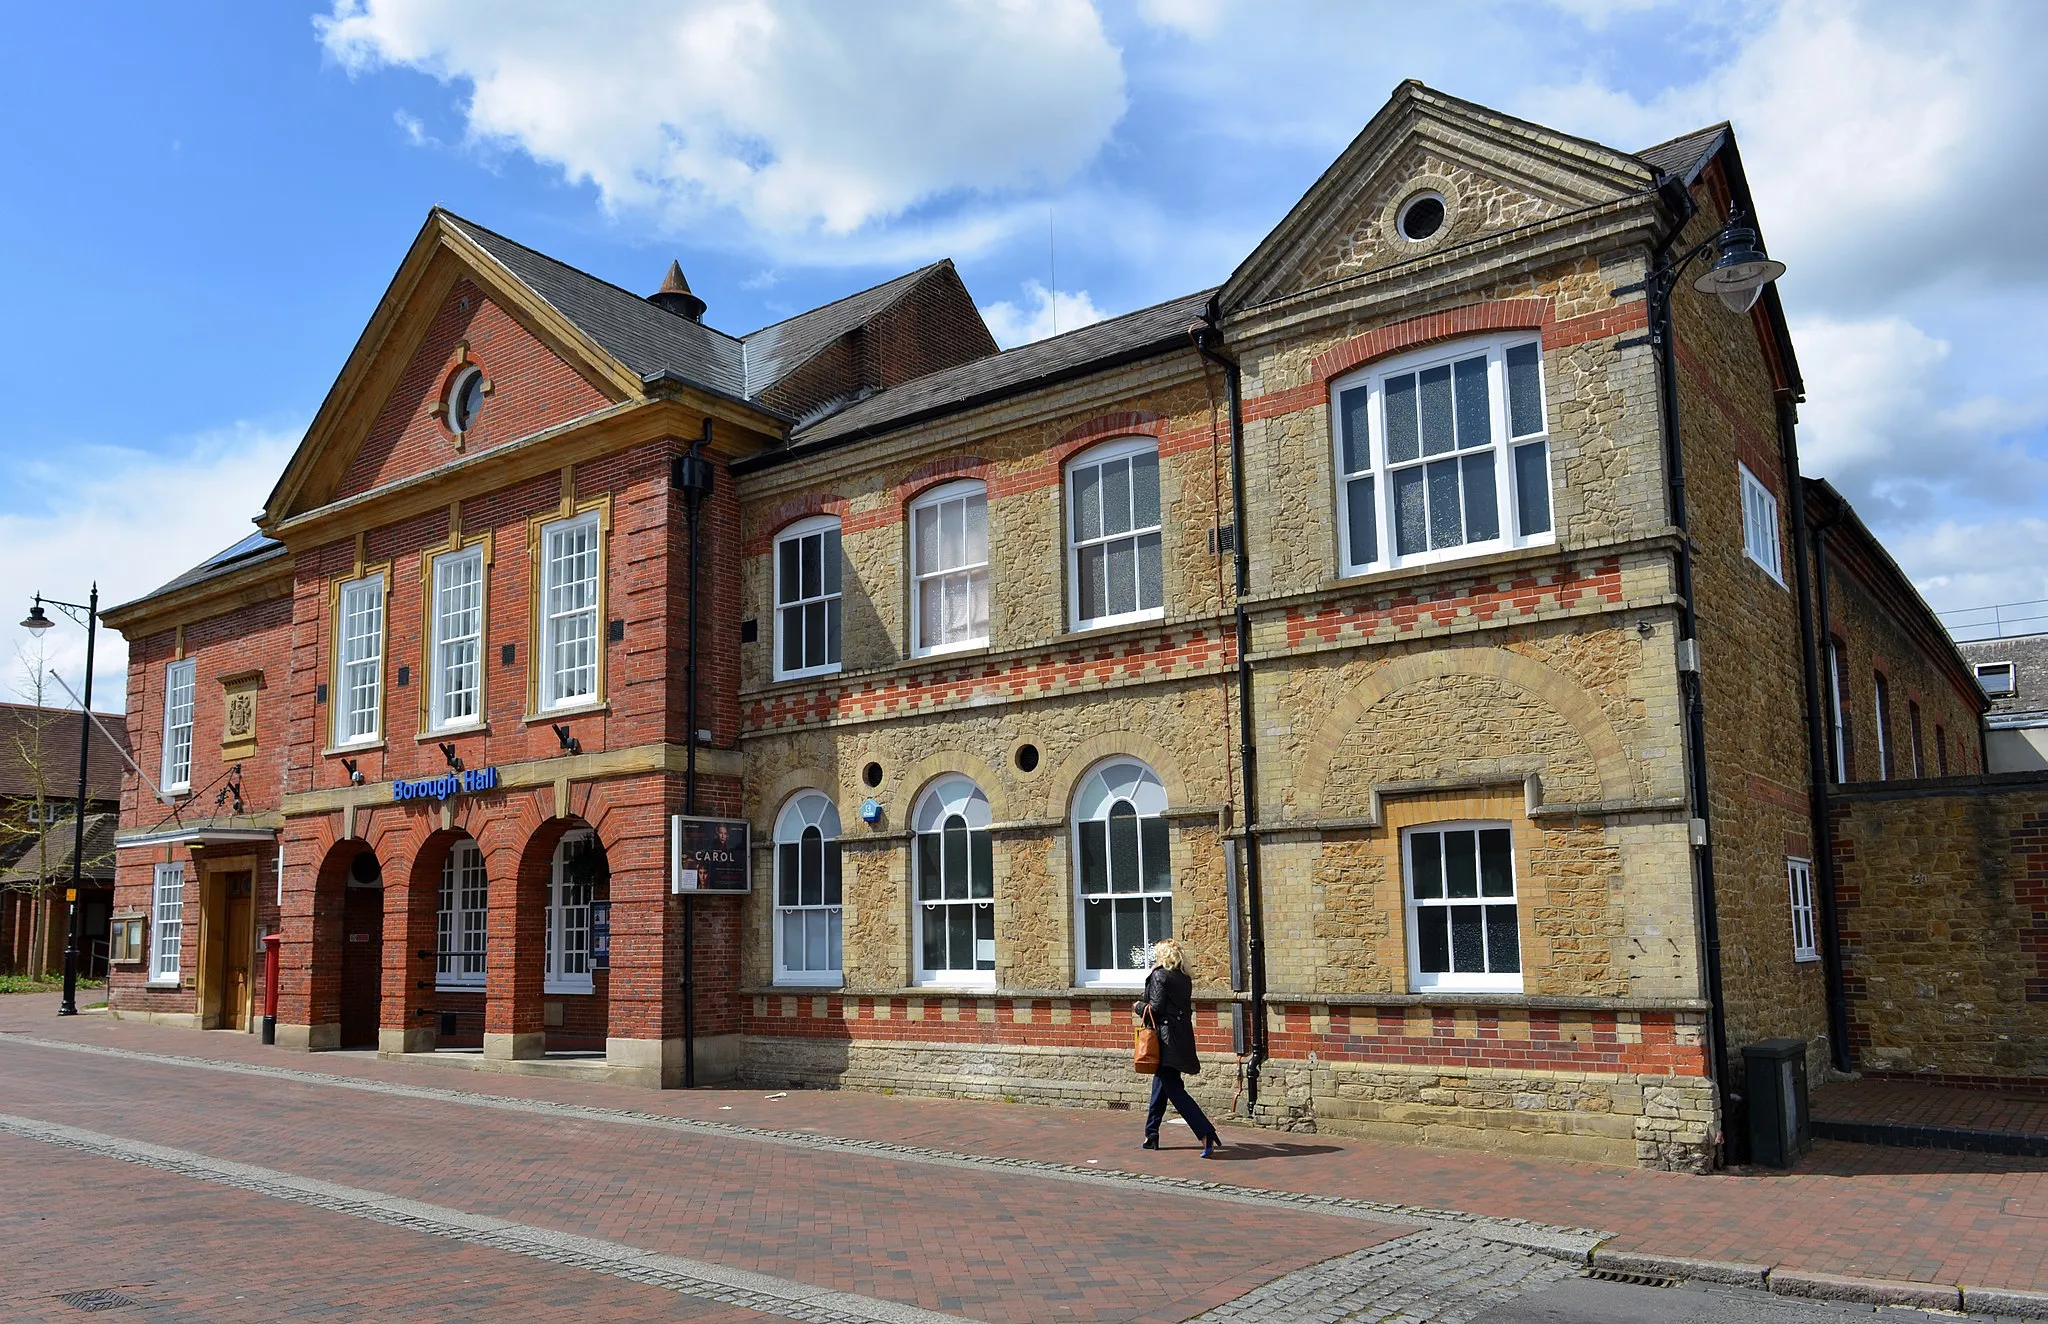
1857	1210
1910	1103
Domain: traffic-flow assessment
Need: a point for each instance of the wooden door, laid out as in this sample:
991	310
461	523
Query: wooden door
234	984
362	966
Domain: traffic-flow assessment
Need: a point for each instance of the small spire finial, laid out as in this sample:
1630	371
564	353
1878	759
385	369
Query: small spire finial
675	296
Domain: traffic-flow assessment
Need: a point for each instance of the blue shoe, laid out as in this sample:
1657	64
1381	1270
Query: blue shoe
1211	1145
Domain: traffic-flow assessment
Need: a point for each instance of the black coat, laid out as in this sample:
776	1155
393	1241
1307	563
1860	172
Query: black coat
1169	996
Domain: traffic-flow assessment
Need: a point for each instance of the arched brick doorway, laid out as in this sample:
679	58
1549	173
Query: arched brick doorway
362	949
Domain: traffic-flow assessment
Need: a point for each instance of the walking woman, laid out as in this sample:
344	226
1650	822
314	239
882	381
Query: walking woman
1169	1006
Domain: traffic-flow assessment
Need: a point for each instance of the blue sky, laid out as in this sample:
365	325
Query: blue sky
207	199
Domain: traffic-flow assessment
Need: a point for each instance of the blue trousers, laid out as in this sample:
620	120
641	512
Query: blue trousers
1167	1088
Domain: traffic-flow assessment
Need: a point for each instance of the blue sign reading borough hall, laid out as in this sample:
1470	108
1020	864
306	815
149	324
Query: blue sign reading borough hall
469	782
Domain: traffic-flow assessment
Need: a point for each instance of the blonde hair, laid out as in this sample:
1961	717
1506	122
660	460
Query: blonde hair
1167	954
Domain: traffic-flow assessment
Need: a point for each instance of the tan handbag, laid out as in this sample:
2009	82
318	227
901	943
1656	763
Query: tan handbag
1145	1047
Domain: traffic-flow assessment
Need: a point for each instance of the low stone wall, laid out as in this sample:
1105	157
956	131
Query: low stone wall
1943	896
1654	1121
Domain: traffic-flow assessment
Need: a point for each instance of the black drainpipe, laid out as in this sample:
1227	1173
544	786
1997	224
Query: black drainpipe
1818	725
1689	683
692	476
1247	741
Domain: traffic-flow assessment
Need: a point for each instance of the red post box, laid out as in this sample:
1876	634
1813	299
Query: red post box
271	943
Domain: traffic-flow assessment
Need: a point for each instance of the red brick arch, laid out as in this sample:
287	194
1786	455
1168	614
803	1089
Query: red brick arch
1471	320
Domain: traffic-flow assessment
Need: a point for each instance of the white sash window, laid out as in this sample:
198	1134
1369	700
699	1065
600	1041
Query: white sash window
1123	870
178	682
464	917
359	677
167	924
456	693
956	908
807	891
949	567
571	565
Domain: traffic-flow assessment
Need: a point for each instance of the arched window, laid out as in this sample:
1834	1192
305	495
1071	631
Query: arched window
579	868
807	891
949	568
464	916
956	910
807	565
1122	869
1113	550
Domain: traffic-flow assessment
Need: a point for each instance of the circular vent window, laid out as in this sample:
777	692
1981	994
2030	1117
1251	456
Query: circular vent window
465	399
1421	217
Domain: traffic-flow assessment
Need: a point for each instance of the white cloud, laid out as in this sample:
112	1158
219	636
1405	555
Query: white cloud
130	520
1191	18
412	127
1967	564
799	116
1043	314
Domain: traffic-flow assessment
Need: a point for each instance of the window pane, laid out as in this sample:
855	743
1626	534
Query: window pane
1123	576
925	540
977	529
955	837
1403	439
1159	921
1116	496
1151	593
835	919
1468	943
930	606
1087	503
1482	505
1461	864
832	873
1475	408
953	607
817	941
953	534
1365	531
1098	935
1123	848
1425	852
1525	390
930	870
935	937
1158	857
811	868
832	559
1144	491
981	852
788	863
960	937
984	936
792	638
1445	528
1433	940
1438	435
792	944
813	553
1094	576
1532	488
1503	943
1094	837
1411	518
814	635
1496	863
977	605
832	631
1352	413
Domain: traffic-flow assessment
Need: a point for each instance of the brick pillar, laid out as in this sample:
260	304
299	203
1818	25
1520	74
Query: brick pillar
412	902
519	872
310	925
643	1040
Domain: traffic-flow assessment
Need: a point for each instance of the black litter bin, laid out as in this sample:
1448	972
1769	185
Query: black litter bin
1778	1121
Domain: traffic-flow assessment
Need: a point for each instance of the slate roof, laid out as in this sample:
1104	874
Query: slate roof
49	736
1134	335
1685	156
2027	705
252	550
46	856
777	350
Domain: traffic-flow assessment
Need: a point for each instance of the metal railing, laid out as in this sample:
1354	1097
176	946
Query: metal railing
2001	621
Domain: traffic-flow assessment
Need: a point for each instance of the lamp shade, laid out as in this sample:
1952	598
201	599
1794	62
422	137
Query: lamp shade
1740	270
37	619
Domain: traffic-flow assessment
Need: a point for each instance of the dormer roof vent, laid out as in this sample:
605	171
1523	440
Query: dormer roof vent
675	296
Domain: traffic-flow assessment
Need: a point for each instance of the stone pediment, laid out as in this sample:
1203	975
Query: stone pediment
1493	174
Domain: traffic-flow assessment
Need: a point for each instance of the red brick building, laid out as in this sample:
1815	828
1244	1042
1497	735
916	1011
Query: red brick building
1013	661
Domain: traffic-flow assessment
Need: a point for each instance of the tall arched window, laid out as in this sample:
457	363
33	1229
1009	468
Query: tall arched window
956	910
464	916
579	868
807	891
1123	873
949	568
1113	550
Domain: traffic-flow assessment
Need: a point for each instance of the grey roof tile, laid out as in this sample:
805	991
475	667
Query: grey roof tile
779	349
1685	155
255	549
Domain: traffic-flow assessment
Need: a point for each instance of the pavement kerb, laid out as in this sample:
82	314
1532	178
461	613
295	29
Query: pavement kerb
1785	1281
1865	1291
1678	1266
2005	1301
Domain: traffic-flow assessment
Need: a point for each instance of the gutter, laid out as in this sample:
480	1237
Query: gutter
1817	729
1248	749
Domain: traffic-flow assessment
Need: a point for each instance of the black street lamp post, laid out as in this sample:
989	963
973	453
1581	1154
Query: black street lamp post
39	621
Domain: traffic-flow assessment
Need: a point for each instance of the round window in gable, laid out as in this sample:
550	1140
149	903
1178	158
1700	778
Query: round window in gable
1421	217
465	400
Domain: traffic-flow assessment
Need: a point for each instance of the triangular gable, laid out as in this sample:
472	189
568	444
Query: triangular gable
1496	172
441	257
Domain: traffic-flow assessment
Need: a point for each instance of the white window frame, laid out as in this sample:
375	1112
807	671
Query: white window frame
971	574
180	683
1805	918
167	925
2012	677
824	605
1122	448
1838	729
562	949
1421	981
1760	525
953	796
806	812
359	655
1881	709
451	643
566	626
1125	782
462	919
1503	444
